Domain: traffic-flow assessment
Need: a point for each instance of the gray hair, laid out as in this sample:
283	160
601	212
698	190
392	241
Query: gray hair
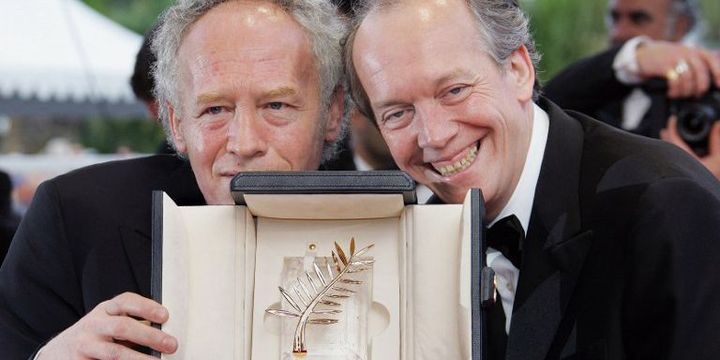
687	9
319	18
501	24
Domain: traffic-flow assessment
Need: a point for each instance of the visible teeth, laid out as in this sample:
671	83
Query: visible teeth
459	165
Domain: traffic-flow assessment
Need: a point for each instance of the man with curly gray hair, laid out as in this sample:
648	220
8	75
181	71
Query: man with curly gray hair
243	85
246	107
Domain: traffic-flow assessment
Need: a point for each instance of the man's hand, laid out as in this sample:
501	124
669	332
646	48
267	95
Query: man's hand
712	159
689	70
102	332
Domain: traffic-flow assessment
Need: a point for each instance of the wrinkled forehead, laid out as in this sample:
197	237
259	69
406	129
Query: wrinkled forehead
416	10
398	49
245	19
649	6
250	28
411	35
406	19
406	24
240	40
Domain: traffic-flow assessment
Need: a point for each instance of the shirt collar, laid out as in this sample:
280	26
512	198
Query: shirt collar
360	164
521	200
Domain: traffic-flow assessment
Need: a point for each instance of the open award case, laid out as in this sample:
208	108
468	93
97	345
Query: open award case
321	265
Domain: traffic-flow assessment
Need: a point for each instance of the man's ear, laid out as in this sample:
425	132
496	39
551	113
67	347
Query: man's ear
680	28
175	128
153	109
522	73
335	115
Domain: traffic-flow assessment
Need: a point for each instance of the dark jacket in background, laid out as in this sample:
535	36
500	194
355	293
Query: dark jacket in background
589	86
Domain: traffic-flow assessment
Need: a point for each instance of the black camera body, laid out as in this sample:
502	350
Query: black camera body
696	117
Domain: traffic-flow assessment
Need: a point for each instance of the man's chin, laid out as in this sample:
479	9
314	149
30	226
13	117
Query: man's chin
219	193
453	197
216	199
448	193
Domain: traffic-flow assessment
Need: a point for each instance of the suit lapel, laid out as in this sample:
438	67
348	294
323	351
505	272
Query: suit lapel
556	245
136	229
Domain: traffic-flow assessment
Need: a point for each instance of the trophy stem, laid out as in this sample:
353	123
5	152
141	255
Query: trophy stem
299	349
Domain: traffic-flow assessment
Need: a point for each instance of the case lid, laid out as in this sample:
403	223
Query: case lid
323	182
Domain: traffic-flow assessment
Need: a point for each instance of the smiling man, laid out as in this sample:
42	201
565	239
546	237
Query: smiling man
243	85
596	238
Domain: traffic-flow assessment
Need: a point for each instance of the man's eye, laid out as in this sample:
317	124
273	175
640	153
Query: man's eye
395	119
640	18
614	16
396	115
276	105
214	110
457	90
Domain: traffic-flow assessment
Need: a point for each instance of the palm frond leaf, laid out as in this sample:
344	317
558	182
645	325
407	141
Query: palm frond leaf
341	254
322	287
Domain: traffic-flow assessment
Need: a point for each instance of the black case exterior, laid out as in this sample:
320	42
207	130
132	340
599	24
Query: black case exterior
347	182
323	182
156	253
479	267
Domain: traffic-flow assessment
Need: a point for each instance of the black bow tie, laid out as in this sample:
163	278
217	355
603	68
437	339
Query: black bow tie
506	236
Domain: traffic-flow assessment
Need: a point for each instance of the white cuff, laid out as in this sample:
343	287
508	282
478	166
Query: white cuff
627	70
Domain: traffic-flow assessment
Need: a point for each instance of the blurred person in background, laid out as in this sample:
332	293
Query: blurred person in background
370	152
9	220
362	148
143	83
241	86
369	148
650	64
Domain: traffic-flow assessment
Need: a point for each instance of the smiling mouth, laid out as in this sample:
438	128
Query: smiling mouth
459	165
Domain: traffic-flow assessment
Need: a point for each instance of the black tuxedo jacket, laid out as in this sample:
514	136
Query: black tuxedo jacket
84	240
622	254
589	86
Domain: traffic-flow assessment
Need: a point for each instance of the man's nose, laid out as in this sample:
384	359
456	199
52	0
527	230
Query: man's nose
436	127
246	135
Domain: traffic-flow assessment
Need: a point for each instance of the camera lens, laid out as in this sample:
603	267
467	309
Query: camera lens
695	121
696	117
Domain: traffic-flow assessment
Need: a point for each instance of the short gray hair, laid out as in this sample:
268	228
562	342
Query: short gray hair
319	18
501	24
684	8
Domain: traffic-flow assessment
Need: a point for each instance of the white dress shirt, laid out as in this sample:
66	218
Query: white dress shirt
637	104
520	205
627	71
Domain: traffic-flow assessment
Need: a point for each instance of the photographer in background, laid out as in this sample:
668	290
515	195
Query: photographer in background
648	41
